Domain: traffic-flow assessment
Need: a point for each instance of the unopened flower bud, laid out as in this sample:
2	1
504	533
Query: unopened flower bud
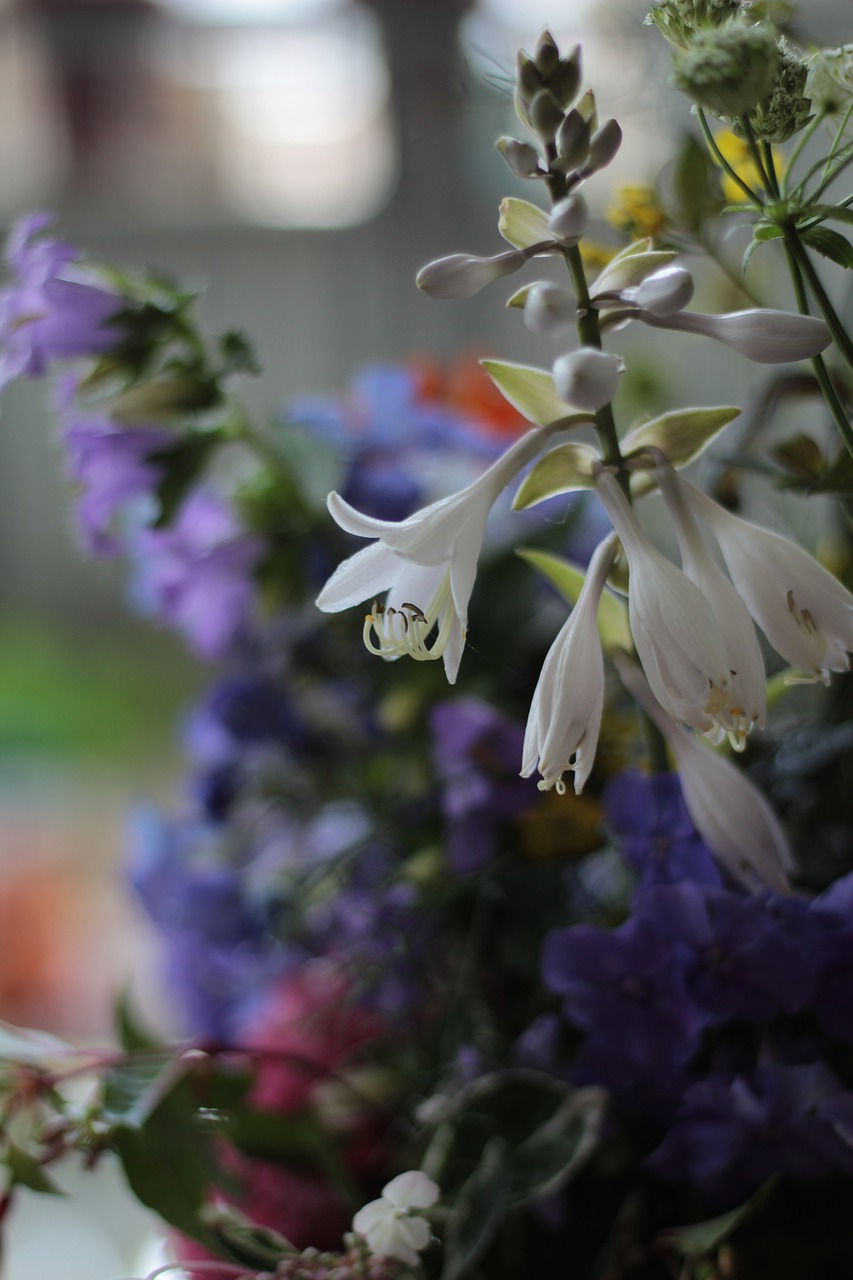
604	144
728	69
572	140
549	309
462	275
565	81
788	109
527	78
545	115
520	156
662	293
587	379
546	55
678	20
569	218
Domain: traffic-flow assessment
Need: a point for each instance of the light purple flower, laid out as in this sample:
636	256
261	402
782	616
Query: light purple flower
197	575
52	310
113	465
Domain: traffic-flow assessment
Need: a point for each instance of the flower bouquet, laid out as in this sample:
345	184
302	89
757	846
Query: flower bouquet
445	1014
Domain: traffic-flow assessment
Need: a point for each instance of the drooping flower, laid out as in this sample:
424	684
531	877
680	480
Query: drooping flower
729	812
462	275
588	378
426	563
761	334
748	700
52	310
673	626
393	1225
565	712
806	613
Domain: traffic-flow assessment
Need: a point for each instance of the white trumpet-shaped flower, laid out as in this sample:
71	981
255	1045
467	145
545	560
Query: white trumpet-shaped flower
462	275
393	1225
805	612
674	629
729	812
427	564
748	690
565	713
762	335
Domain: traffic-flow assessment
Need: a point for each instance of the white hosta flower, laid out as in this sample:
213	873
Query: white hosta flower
747	705
462	275
393	1226
674	628
663	293
549	309
426	563
806	613
565	713
568	219
762	335
729	812
588	378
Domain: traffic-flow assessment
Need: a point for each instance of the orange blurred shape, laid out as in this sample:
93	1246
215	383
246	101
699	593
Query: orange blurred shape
467	387
41	910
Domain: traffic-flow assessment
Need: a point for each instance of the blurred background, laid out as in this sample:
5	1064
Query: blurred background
298	160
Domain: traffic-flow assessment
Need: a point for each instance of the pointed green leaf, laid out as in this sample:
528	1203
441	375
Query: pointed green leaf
630	269
522	224
568	578
134	1088
519	298
530	391
701	1238
829	244
25	1171
21	1044
565	469
831	212
681	434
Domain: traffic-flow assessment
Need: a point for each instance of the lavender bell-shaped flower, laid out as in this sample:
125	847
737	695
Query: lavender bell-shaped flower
806	613
426	563
673	626
565	712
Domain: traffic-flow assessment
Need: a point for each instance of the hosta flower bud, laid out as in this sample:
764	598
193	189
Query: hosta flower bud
520	156
604	144
728	69
572	140
546	55
549	309
565	80
663	293
569	218
587	379
545	114
762	335
462	275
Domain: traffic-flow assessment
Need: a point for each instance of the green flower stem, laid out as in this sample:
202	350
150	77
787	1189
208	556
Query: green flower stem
758	159
833	322
798	148
830	177
723	162
798	192
830	395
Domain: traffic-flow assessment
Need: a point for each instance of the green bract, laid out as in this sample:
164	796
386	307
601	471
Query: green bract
729	69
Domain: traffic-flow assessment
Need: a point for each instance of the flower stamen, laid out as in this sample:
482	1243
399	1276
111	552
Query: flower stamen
410	630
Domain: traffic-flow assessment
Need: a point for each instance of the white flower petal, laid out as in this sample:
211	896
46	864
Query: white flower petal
762	335
411	1190
368	573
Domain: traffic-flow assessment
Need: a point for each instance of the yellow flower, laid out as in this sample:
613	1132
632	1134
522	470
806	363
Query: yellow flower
595	256
636	211
736	152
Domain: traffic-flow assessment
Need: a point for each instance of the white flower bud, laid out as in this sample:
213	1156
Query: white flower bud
549	309
603	146
663	293
520	156
765	336
569	218
462	275
572	140
587	379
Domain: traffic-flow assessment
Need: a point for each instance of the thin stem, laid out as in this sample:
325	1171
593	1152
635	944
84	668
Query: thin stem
734	279
833	322
798	149
839	132
757	157
798	190
723	162
829	178
830	395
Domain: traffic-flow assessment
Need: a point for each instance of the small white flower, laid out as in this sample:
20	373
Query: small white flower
806	613
762	335
549	309
392	1225
427	564
663	293
565	712
462	275
674	628
747	703
588	378
568	219
730	814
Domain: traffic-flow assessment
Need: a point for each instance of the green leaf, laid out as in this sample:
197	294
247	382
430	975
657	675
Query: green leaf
830	213
134	1088
316	469
701	1238
565	469
131	1036
695	184
801	457
627	270
519	298
681	435
530	391
829	244
21	1044
568	578
763	231
522	224
238	354
183	465
478	1210
26	1172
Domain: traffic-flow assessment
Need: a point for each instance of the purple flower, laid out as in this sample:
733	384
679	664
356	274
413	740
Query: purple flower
197	575
114	465
733	1133
740	961
625	989
477	754
51	311
657	836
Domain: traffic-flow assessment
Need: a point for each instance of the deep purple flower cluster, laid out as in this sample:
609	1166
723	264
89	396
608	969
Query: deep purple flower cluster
713	1012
